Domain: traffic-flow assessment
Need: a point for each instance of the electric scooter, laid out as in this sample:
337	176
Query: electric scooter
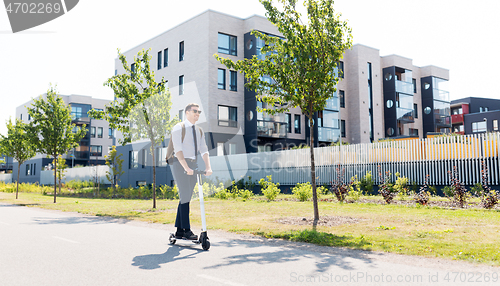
203	239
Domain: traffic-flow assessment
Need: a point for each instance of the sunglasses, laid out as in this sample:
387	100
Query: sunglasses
196	111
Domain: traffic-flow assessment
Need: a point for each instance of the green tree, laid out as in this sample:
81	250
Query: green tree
61	168
17	145
141	109
115	162
299	70
51	130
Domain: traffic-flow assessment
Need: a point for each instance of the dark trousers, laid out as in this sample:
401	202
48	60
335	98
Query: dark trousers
185	185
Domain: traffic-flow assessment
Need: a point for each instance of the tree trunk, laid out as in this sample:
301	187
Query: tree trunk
313	172
55	179
18	171
114	183
154	176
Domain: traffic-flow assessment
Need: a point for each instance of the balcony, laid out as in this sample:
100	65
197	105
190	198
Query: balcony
404	87
442	120
271	129
406	115
328	134
78	119
457	118
333	103
79	155
6	166
441	95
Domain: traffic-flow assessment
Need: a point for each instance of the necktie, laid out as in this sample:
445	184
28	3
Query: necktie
195	143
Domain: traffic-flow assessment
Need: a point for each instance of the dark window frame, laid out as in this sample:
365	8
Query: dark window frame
233	45
232	110
181	84
181	51
159	60
233	80
342	98
221	85
165	58
297	124
342	128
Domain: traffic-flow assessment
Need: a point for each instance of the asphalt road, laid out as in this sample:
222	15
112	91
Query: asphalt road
41	247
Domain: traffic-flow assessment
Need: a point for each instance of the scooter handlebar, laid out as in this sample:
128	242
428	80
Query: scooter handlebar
196	172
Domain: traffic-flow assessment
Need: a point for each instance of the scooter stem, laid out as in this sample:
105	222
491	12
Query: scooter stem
202	204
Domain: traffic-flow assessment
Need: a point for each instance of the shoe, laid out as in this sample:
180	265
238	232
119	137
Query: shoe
190	235
179	234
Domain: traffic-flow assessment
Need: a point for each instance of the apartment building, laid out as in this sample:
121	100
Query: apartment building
472	115
6	164
92	148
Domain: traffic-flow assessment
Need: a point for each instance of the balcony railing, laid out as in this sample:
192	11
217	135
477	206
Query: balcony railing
328	134
6	166
405	114
443	120
228	123
333	103
271	129
457	118
404	87
80	155
441	95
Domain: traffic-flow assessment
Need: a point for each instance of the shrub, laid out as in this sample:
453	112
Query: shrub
401	187
423	196
339	188
302	192
355	190
386	189
458	193
489	197
269	189
245	194
366	183
169	193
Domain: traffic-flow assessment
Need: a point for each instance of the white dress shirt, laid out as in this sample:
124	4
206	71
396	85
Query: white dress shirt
187	146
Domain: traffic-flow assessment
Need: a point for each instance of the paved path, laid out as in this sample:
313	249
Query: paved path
41	247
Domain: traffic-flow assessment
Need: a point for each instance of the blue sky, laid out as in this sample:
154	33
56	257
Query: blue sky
77	51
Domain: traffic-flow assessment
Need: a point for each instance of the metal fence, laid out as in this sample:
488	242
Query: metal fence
81	174
413	159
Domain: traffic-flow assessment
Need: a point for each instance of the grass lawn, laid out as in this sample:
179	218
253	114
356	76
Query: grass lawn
463	234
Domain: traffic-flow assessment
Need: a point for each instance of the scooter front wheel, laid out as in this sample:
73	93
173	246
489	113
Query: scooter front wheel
205	244
172	239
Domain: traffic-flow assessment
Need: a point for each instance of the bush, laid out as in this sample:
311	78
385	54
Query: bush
339	189
423	196
167	192
457	192
489	197
245	194
269	189
355	191
386	189
366	183
302	192
401	187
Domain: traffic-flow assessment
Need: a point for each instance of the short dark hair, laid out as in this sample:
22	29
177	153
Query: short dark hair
188	107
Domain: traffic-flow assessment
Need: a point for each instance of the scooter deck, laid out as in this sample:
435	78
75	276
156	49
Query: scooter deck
173	239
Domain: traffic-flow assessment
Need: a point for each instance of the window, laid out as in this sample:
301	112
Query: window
21	117
342	128
297	123
92	132
220	148
132	67
495	124
181	114
76	112
116	72
227	44
232	148
415	110
342	98
29	117
99	132
413	132
159	60
181	85
144	158
459	128
27	169
480	109
228	116
133	162
289	121
165	58
233	84
161	154
341	69
95	150
414	81
181	51
221	78
110	133
34	169
479	126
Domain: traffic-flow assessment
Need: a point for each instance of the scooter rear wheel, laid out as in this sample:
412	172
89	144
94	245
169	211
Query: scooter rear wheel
172	239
